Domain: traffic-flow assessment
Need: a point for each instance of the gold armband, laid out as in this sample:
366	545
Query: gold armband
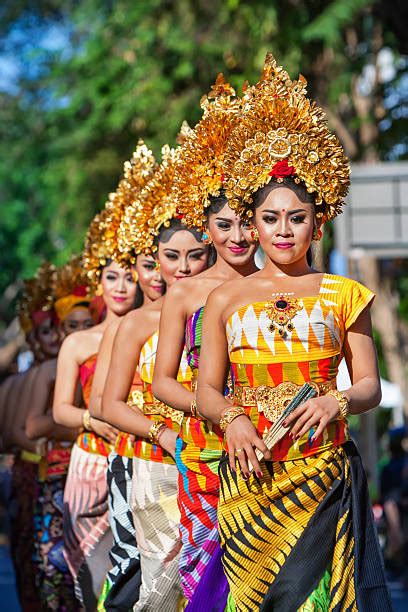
344	404
86	420
155	431
230	415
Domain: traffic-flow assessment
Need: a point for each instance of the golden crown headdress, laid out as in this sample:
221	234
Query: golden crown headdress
37	297
153	208
283	133
101	243
199	170
70	287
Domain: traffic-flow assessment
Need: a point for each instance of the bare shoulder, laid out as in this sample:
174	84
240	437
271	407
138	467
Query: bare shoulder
82	344
137	320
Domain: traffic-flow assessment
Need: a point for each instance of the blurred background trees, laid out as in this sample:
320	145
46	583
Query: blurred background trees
80	82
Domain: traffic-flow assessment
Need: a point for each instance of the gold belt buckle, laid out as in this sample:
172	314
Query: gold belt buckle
272	401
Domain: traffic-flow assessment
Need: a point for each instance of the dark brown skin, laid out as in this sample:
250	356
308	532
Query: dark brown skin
9	390
281	218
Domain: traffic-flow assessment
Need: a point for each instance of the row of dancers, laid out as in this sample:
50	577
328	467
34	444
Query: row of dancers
179	440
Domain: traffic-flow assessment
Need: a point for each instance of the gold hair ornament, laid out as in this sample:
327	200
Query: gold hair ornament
281	134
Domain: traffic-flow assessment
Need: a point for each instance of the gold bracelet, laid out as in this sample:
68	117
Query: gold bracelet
343	401
155	430
194	410
86	420
230	415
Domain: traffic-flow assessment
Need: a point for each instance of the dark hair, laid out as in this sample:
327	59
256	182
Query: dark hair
298	189
176	225
217	203
139	297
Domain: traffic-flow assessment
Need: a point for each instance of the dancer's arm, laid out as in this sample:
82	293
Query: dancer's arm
363	395
40	421
169	351
213	372
124	361
102	369
18	436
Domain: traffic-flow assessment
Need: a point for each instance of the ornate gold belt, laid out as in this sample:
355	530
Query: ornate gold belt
158	407
273	400
136	398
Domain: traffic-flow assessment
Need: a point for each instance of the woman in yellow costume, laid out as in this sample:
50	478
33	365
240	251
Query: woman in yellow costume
123	579
151	225
54	580
201	200
296	530
88	538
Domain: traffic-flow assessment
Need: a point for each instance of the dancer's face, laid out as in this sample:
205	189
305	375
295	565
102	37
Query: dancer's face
119	288
78	319
285	225
150	281
47	337
181	257
231	237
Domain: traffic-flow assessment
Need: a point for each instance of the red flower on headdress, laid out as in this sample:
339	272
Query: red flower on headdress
222	178
281	169
79	291
178	215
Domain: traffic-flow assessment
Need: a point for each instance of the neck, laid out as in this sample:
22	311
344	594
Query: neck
281	271
224	269
110	316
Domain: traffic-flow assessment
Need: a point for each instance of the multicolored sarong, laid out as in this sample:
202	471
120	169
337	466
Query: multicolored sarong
55	583
156	519
23	494
302	537
198	493
87	533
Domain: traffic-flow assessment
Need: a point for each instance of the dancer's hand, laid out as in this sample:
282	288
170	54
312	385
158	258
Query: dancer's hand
106	431
167	440
318	411
242	439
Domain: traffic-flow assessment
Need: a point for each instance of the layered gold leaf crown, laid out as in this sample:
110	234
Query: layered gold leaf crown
153	208
69	277
101	242
199	171
283	133
38	295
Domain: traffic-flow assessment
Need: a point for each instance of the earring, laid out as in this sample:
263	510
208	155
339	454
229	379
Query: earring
135	276
254	234
207	238
157	266
317	234
99	289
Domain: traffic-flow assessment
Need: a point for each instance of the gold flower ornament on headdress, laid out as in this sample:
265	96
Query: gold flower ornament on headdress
200	170
38	295
283	133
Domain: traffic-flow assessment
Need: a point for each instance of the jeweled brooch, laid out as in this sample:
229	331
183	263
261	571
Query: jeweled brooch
280	312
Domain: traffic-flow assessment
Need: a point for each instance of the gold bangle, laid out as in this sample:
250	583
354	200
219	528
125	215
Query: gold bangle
86	420
194	410
343	401
230	415
155	430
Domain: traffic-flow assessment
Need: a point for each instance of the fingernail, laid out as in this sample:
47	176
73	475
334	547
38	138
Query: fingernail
312	439
297	437
284	424
259	474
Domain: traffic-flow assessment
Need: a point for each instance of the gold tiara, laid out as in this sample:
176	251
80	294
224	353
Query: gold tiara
153	208
101	242
38	295
199	171
283	133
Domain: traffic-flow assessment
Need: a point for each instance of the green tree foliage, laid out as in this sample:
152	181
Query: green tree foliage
137	69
